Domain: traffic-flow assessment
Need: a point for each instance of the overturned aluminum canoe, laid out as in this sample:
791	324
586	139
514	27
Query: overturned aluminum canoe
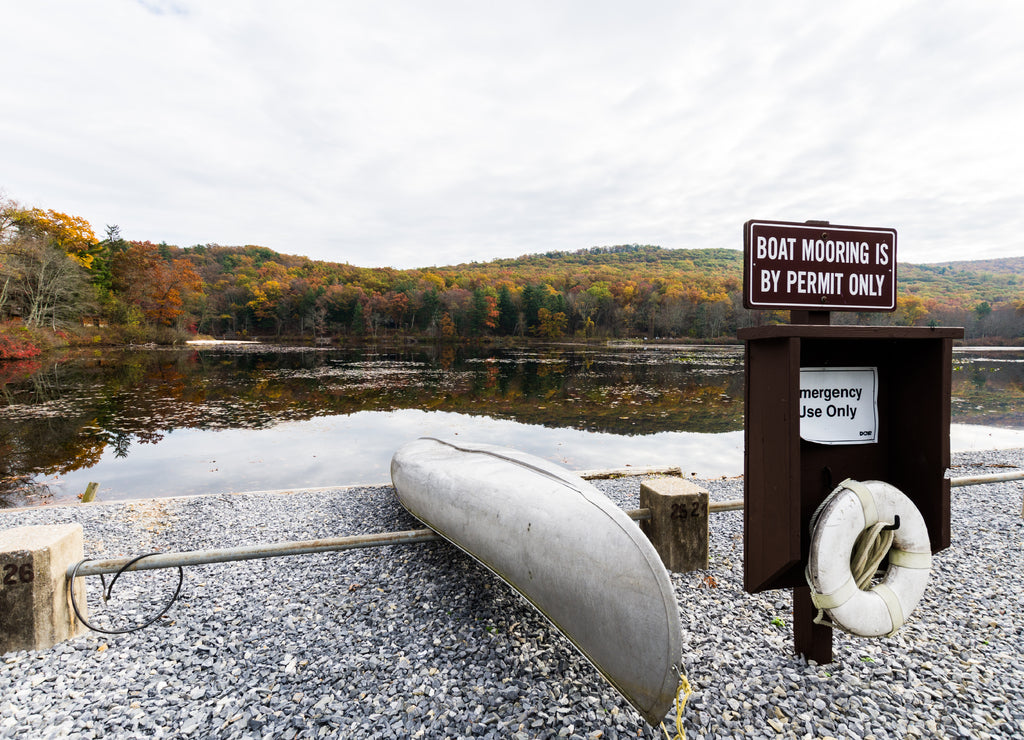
564	546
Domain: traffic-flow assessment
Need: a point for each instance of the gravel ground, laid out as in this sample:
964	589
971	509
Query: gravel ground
420	641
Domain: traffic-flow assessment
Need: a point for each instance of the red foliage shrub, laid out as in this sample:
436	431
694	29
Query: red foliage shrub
16	348
17	371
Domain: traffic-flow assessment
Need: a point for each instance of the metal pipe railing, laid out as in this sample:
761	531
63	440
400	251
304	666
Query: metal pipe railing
252	552
335	544
110	566
977	480
967	480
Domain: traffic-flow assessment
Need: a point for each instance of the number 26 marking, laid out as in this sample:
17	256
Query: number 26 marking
15	574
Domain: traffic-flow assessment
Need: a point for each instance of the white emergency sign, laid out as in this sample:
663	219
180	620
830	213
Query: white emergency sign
839	405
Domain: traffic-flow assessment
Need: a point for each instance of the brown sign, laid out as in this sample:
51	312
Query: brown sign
802	266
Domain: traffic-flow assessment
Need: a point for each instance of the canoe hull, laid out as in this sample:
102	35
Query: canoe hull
561	544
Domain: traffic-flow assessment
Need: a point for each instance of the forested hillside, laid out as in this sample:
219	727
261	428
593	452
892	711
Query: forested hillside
55	272
1009	265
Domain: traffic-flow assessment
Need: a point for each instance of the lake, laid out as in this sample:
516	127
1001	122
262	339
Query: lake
227	418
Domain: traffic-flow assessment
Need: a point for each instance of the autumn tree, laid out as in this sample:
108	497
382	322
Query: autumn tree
8	211
484	314
551	324
43	284
71	234
456	303
398	307
713	315
448	330
42	273
156	286
597	305
304	293
343	306
910	309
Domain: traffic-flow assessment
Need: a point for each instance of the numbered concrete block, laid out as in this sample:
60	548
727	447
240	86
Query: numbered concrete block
678	527
35	606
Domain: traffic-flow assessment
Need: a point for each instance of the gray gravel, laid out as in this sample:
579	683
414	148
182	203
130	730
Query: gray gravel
419	641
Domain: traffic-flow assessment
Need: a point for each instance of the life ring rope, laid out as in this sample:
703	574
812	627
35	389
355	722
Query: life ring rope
871	547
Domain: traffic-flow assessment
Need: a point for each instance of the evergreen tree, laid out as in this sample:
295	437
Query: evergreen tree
478	313
358	320
508	316
427	314
533	301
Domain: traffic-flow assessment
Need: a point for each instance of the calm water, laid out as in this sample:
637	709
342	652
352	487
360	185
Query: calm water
240	418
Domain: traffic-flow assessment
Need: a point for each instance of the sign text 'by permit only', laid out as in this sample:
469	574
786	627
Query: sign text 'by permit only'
820	268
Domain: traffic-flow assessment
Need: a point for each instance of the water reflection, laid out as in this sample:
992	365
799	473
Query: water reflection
988	386
163	422
354	449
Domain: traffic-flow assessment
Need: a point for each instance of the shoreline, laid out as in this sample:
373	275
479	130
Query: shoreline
1004	439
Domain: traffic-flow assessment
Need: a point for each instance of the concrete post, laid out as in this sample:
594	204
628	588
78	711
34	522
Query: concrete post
678	527
35	606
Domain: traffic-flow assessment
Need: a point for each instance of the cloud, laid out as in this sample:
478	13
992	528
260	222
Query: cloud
409	134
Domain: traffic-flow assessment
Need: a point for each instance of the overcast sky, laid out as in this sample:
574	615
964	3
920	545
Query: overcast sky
412	134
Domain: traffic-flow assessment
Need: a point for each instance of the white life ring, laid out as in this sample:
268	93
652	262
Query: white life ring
849	510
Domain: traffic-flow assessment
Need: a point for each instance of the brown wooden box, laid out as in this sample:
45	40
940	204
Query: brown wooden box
786	478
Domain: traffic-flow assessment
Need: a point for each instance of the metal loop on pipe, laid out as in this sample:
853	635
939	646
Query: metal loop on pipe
107	590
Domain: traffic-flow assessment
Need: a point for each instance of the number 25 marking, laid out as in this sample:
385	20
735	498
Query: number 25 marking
685	511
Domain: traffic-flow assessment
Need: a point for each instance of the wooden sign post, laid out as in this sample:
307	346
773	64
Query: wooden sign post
825	403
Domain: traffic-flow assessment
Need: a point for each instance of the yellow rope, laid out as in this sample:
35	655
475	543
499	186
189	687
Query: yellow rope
684	686
869	550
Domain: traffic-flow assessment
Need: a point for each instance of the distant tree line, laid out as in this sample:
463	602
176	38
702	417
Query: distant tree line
54	271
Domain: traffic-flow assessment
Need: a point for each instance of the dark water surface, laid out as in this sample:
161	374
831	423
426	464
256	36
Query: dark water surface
209	419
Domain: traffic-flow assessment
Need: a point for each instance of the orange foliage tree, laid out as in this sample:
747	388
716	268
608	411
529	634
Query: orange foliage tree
72	234
156	285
